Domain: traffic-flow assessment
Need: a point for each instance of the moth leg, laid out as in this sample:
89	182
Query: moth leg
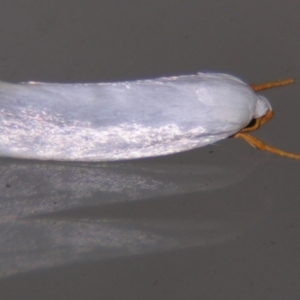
269	85
255	142
259	121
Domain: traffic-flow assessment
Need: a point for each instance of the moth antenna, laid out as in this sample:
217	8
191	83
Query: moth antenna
255	142
269	85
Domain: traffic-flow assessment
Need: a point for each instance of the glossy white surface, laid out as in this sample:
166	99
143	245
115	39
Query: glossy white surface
123	120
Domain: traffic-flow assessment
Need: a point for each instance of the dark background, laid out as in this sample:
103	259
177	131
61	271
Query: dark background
238	239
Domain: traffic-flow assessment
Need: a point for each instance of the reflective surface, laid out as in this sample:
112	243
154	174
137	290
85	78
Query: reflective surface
221	222
65	213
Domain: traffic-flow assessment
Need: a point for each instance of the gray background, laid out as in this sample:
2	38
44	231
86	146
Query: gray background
221	222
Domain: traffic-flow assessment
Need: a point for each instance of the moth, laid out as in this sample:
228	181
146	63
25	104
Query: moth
130	119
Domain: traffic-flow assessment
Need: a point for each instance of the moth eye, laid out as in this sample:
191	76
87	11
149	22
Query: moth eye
251	124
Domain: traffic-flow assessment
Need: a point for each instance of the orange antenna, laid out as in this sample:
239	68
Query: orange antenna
269	85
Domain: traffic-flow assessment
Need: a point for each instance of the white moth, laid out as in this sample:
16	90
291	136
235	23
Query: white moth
124	120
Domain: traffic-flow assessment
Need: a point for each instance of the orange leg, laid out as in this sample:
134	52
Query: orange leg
259	121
